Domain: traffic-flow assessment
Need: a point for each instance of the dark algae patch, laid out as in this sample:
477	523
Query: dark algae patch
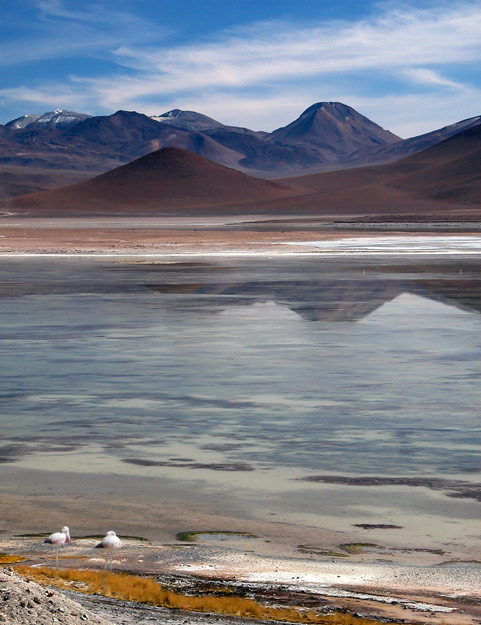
222	466
452	488
6	559
356	548
319	551
378	526
462	563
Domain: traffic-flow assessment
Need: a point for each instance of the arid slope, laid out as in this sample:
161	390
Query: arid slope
169	181
442	182
444	179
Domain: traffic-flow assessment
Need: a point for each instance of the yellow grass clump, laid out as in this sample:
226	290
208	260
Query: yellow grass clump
4	559
147	590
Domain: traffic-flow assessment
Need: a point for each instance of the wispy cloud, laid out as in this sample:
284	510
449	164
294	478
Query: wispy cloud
59	33
254	69
412	114
93	13
55	9
431	78
280	51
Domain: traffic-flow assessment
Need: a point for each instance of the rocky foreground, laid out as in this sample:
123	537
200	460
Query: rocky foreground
23	602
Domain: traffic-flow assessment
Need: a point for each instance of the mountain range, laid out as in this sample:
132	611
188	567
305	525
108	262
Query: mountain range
441	182
62	147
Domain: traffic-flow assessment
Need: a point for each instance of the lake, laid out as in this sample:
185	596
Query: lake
322	391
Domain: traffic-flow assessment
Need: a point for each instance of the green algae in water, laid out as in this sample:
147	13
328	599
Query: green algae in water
319	551
192	537
355	548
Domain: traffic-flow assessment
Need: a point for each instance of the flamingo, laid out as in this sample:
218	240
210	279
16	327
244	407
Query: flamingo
110	541
58	539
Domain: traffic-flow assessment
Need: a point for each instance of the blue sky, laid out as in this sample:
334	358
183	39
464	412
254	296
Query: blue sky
411	67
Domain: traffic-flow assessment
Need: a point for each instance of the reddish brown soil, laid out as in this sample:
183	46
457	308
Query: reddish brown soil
163	182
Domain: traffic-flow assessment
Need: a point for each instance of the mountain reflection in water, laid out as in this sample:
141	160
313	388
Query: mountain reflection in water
327	300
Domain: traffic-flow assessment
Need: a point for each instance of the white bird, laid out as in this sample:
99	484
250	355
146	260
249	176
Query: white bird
58	539
110	541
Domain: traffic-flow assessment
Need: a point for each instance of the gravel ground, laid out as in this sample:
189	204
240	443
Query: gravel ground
128	613
434	595
23	602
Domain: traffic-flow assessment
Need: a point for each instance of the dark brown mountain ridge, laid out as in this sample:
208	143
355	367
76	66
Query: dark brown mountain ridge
327	136
334	127
444	180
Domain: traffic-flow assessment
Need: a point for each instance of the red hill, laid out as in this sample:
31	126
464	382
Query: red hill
442	180
161	182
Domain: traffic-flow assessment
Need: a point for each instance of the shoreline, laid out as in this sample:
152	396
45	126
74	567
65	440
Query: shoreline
418	585
303	249
240	236
420	594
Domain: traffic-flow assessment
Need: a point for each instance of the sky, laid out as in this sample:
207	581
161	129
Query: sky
410	66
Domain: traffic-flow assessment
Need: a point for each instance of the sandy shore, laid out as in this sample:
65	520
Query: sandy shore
139	237
435	594
411	581
252	235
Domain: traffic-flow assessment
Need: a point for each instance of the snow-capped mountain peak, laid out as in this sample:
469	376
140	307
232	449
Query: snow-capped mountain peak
187	120
58	119
22	122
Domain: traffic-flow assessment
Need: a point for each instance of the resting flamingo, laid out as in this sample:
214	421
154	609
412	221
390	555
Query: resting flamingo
110	541
58	539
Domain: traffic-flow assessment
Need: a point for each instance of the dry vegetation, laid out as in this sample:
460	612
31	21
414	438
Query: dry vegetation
5	559
147	590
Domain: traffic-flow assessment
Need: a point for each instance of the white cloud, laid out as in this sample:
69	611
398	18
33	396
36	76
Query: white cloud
394	40
414	114
429	77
